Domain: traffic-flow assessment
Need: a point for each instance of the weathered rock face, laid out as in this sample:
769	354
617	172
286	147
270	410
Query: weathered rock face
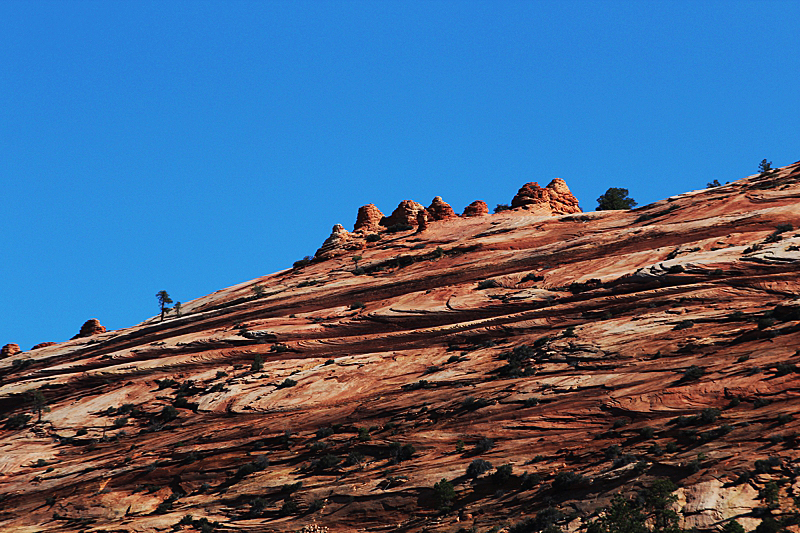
340	242
405	213
44	345
368	219
478	208
440	210
555	199
89	328
560	339
8	350
422	220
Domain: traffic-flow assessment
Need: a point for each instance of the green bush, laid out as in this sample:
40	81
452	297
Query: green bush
478	467
615	198
444	493
487	284
372	237
288	382
17	421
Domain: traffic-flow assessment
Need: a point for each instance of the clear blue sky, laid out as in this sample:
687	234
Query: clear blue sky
189	146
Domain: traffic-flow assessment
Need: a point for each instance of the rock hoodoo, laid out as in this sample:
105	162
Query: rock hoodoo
478	208
89	328
405	213
422	220
9	349
440	210
339	242
368	219
555	199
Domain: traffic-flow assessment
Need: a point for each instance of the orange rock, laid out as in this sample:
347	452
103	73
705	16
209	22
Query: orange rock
405	213
422	221
89	328
339	242
555	199
478	208
8	350
440	210
368	219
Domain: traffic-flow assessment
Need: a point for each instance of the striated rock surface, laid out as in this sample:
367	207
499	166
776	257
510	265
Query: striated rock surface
340	242
368	219
478	208
89	328
605	348
555	199
440	210
9	349
404	213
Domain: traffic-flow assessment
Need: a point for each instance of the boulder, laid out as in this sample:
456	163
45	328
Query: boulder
340	242
440	210
478	208
89	328
405	213
555	199
8	350
368	219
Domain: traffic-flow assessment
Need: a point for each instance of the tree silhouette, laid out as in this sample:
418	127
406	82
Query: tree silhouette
178	308
615	198
39	404
163	301
765	166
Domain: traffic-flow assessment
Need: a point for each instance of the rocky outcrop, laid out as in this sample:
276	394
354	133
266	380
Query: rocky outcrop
440	210
89	328
368	219
8	350
339	242
44	345
478	208
422	221
405	213
555	199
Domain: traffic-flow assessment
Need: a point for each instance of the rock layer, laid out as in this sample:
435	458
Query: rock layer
89	328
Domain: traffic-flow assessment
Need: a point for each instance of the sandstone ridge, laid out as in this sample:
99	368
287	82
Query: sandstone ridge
584	354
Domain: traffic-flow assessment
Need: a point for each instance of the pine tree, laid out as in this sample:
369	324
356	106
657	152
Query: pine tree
163	301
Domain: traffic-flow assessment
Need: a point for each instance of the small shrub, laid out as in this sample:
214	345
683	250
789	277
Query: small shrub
487	284
354	458
302	262
503	473
120	422
712	184
286	383
693	373
357	305
484	445
289	507
532	276
615	198
168	413
459	446
567	480
683	324
399	453
732	526
17	421
647	432
620	422
363	435
372	237
321	433
499	208
326	462
444	493
473	404
478	467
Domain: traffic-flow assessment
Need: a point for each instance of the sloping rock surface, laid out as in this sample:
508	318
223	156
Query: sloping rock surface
591	352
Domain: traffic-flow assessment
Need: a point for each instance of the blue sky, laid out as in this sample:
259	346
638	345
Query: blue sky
189	146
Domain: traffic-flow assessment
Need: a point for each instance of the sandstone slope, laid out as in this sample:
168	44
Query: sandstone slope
593	352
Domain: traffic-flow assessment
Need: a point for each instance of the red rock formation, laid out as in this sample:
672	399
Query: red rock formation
8	350
625	304
555	199
478	208
405	213
440	210
89	328
45	344
340	242
368	219
422	221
